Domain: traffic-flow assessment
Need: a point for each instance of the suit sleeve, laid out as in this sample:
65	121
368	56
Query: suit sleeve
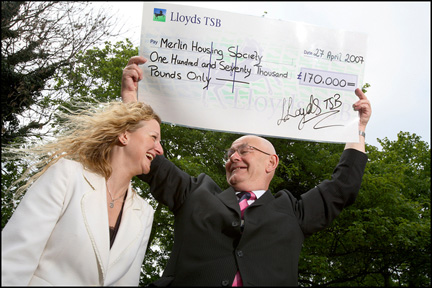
170	185
322	204
28	230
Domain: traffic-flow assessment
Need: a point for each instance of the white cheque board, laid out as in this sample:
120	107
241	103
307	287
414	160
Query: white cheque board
230	72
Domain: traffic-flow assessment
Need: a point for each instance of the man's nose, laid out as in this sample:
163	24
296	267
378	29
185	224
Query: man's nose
235	157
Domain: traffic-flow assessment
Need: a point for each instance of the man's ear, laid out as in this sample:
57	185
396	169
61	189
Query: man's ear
272	163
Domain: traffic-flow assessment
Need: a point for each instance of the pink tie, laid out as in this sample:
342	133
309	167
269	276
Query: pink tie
244	197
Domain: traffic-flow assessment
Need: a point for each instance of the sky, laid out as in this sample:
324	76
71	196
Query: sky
399	51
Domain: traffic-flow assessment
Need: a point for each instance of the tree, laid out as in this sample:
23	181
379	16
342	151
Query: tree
38	38
96	74
384	238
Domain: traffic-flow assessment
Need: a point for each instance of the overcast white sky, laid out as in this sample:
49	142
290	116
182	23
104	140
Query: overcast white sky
399	51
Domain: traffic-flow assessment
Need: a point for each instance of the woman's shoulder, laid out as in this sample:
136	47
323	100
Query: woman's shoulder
64	164
63	169
144	205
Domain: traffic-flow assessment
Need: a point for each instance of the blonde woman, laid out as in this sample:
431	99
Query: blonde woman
80	222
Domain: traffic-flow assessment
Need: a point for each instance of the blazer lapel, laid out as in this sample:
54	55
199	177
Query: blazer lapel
95	215
131	228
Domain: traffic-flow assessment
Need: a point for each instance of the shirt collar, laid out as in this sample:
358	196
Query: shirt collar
258	193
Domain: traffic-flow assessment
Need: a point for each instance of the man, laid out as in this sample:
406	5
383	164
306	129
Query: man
214	245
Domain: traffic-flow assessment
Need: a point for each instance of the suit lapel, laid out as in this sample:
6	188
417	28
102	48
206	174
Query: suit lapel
264	199
95	215
229	199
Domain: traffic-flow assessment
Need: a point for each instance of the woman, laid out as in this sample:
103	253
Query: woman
80	222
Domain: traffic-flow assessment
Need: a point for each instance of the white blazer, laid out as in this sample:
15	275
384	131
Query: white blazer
59	233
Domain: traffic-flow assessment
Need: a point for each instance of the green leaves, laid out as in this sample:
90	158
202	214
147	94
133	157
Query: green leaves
384	238
96	77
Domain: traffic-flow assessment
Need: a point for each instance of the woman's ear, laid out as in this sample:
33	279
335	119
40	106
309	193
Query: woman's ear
123	138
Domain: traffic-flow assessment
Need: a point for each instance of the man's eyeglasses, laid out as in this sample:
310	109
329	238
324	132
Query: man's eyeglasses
242	150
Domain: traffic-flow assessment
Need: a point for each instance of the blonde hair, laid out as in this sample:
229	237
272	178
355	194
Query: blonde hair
89	136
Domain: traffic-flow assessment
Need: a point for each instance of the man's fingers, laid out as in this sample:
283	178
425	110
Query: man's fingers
138	60
360	93
132	68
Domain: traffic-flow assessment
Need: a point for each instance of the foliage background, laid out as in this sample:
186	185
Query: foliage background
381	240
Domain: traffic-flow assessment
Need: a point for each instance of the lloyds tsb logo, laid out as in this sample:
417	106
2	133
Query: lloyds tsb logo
159	15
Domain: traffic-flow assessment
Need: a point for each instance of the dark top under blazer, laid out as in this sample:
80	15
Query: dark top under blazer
208	246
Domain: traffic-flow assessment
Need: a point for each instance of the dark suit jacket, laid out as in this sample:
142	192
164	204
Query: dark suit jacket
208	244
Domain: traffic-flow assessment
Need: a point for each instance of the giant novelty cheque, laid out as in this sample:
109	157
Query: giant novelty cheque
231	72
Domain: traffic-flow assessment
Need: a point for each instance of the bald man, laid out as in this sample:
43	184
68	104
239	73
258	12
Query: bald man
214	245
